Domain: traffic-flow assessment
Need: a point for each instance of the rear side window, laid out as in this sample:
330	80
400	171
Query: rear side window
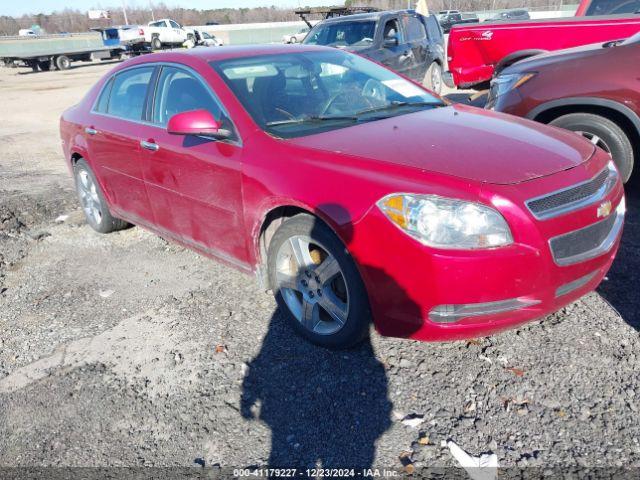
180	91
414	28
103	101
433	29
128	93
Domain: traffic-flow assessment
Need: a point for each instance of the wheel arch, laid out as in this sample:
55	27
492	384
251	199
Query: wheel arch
622	115
269	222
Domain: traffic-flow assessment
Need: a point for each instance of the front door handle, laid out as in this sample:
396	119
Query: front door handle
90	131
149	145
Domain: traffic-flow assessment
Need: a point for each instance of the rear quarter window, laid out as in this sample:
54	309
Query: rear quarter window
103	100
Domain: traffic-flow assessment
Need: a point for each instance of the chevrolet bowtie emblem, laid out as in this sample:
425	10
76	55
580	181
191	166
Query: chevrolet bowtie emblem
604	209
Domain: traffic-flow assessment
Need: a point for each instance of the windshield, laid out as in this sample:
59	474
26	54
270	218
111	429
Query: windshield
297	94
343	34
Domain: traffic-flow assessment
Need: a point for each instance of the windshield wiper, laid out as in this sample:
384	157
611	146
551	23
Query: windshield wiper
312	119
396	105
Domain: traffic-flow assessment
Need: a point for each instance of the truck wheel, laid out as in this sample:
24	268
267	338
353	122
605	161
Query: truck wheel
156	44
45	66
63	62
433	78
603	133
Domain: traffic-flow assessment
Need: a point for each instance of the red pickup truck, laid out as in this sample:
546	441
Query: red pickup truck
476	51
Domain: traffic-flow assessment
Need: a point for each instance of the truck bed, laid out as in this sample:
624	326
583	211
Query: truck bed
474	50
49	45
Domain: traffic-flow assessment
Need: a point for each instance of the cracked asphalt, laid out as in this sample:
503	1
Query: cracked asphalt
127	350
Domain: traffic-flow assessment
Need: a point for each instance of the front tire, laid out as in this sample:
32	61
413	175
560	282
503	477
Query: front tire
317	285
93	202
603	133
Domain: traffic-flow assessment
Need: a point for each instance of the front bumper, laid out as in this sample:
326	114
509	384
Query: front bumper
407	281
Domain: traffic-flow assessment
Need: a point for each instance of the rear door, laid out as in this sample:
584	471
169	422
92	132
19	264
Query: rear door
418	42
113	144
194	182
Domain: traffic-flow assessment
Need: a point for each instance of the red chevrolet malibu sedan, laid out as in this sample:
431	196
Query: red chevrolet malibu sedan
355	194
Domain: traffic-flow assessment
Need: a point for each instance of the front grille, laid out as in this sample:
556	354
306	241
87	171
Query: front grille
574	197
588	242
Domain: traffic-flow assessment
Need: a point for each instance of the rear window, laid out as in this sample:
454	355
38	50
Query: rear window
128	93
613	7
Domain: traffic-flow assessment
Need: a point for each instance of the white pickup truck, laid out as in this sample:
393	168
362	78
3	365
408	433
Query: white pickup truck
166	32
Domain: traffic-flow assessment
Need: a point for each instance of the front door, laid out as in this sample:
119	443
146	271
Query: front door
194	182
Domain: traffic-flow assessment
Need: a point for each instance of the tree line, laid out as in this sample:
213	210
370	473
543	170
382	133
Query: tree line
72	20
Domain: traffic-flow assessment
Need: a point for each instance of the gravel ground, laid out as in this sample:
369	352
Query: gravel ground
126	350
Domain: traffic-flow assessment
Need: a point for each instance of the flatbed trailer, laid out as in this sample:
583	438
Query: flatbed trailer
50	52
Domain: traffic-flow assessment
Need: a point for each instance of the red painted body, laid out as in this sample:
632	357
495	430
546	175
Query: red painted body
215	196
474	50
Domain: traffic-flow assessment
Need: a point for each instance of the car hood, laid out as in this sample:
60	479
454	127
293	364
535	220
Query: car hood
461	141
559	56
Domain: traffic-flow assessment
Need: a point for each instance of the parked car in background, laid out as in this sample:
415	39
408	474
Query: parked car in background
475	52
166	33
516	14
456	18
205	39
592	90
297	37
347	189
27	32
403	40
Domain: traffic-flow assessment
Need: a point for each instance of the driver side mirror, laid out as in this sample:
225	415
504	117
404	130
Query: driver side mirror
196	122
390	41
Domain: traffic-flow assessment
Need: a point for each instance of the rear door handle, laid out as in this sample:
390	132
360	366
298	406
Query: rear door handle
154	147
90	131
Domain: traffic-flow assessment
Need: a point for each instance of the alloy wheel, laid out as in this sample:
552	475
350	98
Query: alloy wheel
312	285
89	197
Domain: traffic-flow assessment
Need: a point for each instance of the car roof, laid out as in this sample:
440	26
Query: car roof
229	52
358	17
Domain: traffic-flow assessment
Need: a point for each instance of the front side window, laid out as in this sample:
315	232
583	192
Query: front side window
180	91
297	94
173	24
391	30
343	34
129	92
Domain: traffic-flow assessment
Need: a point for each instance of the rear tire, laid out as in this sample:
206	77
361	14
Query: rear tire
433	78
317	285
156	44
63	62
604	133
93	202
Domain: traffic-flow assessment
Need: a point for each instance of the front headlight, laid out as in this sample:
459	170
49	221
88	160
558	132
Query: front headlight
445	222
505	83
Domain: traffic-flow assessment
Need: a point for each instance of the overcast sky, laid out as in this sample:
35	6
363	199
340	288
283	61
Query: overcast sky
12	7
